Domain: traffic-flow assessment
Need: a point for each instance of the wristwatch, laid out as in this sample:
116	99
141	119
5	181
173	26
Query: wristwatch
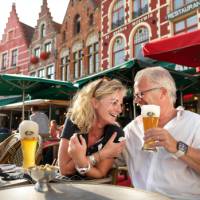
181	149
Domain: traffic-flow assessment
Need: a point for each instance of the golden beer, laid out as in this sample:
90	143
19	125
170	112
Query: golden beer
29	137
150	116
29	147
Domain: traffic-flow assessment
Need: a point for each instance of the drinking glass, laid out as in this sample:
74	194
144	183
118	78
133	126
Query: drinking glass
150	116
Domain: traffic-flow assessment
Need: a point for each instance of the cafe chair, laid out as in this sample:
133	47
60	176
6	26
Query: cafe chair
11	152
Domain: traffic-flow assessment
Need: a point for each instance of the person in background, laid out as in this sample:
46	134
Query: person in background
54	130
41	119
90	128
174	170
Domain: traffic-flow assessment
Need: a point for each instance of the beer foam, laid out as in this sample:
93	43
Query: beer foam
28	129
150	111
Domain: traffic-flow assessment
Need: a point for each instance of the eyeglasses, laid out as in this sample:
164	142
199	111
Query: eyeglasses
140	95
99	84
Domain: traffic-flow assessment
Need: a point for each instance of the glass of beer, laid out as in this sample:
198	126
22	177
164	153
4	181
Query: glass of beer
29	138
150	116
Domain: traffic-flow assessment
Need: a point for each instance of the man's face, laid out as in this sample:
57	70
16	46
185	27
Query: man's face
146	93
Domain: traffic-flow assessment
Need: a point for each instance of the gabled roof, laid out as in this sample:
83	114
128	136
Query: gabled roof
28	32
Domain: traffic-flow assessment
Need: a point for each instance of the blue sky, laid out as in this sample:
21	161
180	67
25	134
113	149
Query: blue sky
28	11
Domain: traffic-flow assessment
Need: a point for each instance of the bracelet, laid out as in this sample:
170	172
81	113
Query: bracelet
92	160
83	170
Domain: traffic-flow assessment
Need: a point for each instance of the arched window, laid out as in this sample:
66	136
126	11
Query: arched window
139	7
118	51
141	36
77	24
118	14
43	30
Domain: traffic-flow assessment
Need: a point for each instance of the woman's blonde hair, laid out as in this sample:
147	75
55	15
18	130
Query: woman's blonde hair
82	112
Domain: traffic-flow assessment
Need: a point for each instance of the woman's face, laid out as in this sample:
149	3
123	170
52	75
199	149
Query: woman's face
109	107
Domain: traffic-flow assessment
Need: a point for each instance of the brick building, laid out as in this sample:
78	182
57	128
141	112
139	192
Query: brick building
78	43
14	52
43	52
127	24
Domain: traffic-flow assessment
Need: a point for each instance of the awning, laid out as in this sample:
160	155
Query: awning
122	72
6	100
181	49
39	102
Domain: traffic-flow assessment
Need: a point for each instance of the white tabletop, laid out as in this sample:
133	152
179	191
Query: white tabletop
78	191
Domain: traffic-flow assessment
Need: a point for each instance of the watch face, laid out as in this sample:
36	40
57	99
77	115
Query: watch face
182	147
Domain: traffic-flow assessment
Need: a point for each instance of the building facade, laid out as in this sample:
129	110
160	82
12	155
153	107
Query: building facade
43	51
79	41
127	24
14	46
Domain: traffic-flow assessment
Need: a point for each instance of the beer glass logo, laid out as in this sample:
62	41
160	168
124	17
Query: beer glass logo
29	133
151	114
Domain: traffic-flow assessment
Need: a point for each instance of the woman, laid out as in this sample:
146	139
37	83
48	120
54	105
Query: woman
90	130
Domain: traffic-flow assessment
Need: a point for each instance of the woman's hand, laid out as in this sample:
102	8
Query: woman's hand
77	149
112	149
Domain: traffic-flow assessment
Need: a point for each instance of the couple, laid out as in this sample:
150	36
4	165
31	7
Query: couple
170	171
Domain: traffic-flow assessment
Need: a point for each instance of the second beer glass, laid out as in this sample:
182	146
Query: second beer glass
150	116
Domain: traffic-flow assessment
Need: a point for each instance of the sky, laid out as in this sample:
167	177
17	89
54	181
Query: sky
28	11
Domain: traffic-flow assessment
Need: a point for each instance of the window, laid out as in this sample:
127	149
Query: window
77	24
141	36
118	51
118	14
33	74
14	58
51	72
78	64
180	3
48	47
93	58
186	25
43	31
10	35
91	20
37	52
139	7
65	73
4	61
63	36
41	73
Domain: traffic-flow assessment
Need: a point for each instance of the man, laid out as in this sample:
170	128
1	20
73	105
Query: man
174	170
41	119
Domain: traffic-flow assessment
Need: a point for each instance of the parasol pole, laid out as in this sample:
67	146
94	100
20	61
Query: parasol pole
23	95
181	97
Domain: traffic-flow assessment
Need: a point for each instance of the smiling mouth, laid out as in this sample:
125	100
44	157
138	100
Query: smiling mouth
113	115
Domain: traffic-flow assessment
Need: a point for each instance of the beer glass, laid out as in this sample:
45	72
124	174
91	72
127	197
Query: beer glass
29	138
150	116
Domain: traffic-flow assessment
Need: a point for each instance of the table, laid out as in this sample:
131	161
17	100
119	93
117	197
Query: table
73	191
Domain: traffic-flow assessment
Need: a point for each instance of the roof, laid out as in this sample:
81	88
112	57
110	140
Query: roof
28	32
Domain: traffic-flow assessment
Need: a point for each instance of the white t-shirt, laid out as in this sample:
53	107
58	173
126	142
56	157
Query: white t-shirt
160	171
42	120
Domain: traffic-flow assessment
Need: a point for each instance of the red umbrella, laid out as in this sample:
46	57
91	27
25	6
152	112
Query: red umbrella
183	49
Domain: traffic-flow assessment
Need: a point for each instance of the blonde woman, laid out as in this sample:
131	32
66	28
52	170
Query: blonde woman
91	137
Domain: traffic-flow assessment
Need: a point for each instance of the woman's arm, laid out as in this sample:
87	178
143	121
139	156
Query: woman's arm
66	164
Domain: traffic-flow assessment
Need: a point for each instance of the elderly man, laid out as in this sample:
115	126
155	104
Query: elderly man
174	170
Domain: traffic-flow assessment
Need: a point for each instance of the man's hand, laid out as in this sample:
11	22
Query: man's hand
162	138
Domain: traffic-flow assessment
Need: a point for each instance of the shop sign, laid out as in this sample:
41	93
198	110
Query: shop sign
183	10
